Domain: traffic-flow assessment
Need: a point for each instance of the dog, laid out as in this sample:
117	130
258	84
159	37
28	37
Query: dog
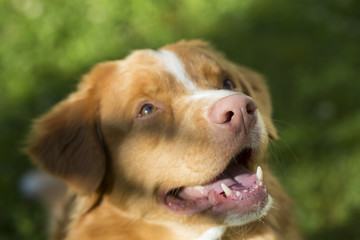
165	144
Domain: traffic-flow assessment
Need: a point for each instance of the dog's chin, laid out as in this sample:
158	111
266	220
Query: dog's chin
236	196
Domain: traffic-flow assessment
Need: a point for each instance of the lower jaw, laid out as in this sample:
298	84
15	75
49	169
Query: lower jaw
235	218
236	199
254	201
237	212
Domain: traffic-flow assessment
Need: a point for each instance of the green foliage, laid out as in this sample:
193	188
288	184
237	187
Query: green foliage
308	50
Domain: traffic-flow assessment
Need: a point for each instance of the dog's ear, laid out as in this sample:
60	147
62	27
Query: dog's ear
258	90
67	141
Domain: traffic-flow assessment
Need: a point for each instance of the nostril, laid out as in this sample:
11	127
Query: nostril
236	112
251	107
229	116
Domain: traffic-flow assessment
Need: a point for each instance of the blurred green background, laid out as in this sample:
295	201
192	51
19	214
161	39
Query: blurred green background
309	51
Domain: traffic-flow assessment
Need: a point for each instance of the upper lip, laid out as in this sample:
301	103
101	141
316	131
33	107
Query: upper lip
243	157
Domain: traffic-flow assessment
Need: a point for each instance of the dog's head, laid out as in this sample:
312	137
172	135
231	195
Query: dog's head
177	133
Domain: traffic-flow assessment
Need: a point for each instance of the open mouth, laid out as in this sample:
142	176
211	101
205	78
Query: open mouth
236	190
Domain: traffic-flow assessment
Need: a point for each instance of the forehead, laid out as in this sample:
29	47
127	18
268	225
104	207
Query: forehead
188	69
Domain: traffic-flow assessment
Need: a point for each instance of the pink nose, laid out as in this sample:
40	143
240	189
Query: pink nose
236	112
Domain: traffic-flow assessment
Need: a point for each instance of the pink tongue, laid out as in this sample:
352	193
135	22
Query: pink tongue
237	177
248	194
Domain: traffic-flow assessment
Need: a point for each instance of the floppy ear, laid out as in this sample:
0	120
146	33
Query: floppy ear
259	91
66	142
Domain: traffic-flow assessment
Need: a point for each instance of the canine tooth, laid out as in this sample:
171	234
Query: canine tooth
259	173
237	193
226	189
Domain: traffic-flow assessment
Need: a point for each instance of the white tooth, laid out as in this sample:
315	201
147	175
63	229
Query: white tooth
237	193
226	189
259	173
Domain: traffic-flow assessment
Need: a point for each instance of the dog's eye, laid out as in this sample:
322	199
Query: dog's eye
228	84
146	110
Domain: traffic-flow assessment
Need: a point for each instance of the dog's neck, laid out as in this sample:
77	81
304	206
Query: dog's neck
106	221
113	221
214	233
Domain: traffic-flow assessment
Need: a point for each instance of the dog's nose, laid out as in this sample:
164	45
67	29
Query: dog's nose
236	112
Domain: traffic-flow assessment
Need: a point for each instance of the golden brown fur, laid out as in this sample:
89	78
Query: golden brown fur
114	164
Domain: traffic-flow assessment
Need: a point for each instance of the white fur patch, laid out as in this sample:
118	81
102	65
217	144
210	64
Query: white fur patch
174	66
212	94
214	233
